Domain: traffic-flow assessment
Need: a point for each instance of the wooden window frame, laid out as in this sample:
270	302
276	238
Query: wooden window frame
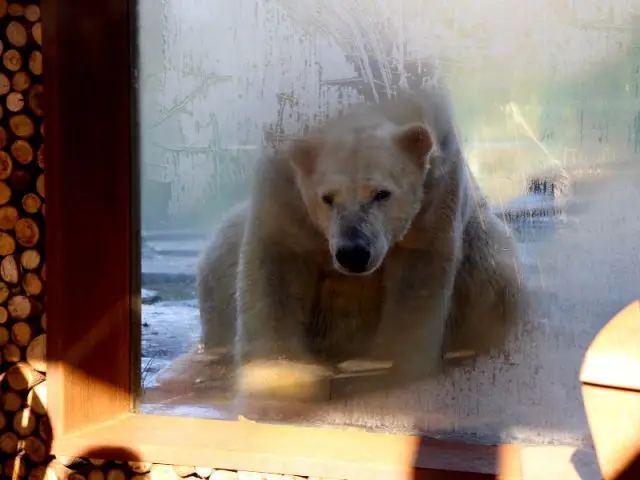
89	57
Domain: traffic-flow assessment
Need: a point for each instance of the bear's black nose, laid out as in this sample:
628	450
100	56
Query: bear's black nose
353	258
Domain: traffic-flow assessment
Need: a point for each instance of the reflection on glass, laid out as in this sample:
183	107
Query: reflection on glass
546	100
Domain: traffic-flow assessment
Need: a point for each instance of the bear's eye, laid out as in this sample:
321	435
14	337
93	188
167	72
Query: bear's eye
327	198
381	196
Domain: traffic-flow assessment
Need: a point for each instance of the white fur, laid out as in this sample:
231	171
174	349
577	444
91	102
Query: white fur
447	279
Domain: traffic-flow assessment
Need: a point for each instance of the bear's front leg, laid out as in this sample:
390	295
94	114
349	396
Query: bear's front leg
276	288
413	324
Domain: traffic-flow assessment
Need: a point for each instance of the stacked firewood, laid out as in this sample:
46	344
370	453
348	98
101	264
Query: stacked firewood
80	469
24	426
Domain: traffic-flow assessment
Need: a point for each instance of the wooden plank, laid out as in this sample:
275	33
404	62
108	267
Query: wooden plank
613	358
324	452
614	420
88	104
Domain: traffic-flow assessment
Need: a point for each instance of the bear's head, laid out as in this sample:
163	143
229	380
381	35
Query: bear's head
361	180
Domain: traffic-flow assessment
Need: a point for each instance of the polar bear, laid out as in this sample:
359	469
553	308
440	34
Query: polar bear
367	237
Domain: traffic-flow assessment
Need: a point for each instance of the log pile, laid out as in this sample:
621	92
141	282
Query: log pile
22	195
24	425
92	469
25	432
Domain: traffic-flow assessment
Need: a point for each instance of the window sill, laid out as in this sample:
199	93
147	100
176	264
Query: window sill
325	452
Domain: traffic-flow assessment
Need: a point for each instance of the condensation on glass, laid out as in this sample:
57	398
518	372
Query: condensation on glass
546	97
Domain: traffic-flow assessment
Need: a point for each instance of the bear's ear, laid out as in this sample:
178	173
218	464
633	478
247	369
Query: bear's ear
303	154
416	141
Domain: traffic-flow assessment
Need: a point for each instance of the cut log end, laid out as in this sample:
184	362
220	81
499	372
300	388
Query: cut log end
12	401
15	10
20	81
17	467
36	449
21	150
4	292
5	193
37	398
12	60
36	95
7	244
35	63
41	157
27	232
12	353
24	422
5	84
22	126
31	203
8	217
21	377
10	270
22	307
32	13
32	284
15	102
16	34
36	31
40	185
36	353
9	442
21	334
30	259
6	165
